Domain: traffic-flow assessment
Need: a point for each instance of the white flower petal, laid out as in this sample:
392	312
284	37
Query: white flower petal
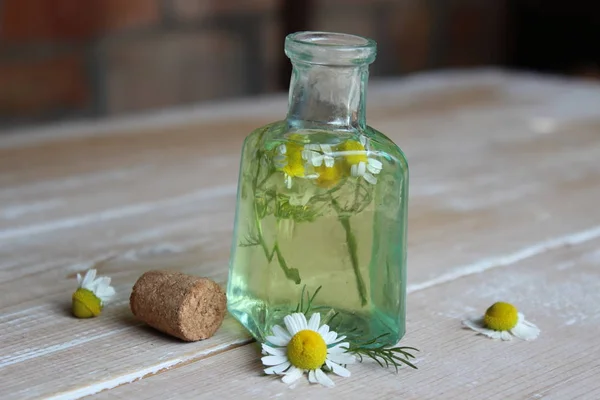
282	149
342	359
273	360
101	283
311	376
323	379
106	295
288	181
104	291
277	340
505	335
290	324
496	334
295	323
339	348
363	140
277	369
474	323
329	337
374	166
88	279
326	148
338	339
361	169
524	321
478	326
292	375
373	170
375	163
314	322
274	351
329	161
337	369
354	170
301	321
281	332
317	160
370	178
323	330
525	330
99	286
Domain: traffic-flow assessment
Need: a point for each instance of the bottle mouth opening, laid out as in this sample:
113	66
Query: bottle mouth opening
330	48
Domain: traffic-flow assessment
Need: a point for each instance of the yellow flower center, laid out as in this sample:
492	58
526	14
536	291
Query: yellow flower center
356	150
295	163
86	304
328	176
307	350
501	316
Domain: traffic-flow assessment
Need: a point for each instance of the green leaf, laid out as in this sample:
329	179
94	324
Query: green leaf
395	356
308	307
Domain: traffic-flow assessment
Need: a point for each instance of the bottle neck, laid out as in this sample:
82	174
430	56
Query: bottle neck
327	96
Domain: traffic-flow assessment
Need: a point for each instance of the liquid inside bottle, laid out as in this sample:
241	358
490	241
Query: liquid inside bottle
322	203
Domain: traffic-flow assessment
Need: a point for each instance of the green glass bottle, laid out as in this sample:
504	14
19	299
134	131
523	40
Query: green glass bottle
322	202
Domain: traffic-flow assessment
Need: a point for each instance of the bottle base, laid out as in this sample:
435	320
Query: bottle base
359	327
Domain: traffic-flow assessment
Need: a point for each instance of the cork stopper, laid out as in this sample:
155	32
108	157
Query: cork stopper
184	306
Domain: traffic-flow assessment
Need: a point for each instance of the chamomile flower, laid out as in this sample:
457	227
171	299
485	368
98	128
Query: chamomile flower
320	158
360	162
503	321
92	294
328	177
318	155
306	347
289	160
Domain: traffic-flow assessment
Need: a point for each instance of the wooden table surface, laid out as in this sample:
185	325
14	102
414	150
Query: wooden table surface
504	205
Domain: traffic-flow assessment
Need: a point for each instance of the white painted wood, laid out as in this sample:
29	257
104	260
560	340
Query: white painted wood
504	171
557	290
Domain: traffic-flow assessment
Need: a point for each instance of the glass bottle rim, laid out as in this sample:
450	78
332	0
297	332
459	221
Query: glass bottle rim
330	48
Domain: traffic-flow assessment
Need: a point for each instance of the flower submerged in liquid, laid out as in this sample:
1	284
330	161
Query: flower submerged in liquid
327	164
360	163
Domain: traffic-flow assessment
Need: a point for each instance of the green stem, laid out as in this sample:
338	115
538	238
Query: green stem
291	273
353	252
261	238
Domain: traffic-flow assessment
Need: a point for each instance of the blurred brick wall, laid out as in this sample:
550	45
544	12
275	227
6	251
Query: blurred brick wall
71	58
87	58
415	35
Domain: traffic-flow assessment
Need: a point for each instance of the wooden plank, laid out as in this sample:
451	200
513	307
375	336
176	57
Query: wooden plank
103	353
432	220
557	290
414	90
467	196
164	198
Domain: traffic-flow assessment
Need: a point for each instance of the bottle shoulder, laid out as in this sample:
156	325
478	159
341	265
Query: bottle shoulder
369	140
259	136
380	142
